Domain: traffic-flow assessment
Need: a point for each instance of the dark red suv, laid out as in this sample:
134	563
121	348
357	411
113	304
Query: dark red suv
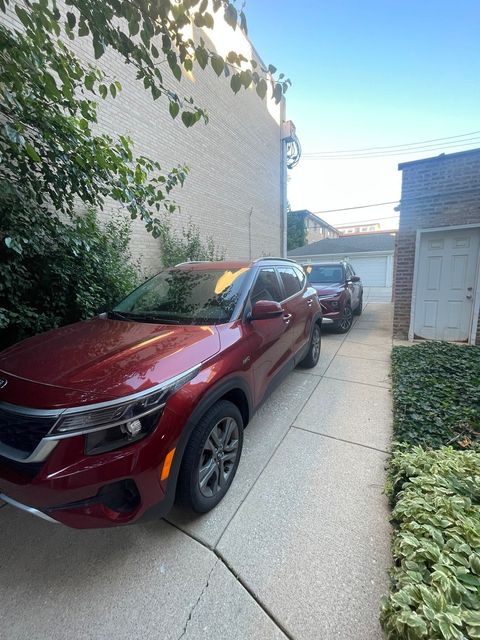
339	290
105	421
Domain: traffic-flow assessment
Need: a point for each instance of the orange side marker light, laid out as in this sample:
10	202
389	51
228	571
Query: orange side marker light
167	465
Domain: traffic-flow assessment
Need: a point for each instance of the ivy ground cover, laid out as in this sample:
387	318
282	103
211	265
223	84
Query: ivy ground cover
434	488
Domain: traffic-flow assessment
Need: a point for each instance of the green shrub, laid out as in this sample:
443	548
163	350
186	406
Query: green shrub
65	271
187	245
436	394
436	575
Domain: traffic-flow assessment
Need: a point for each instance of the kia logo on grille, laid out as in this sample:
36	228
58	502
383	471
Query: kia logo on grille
3	383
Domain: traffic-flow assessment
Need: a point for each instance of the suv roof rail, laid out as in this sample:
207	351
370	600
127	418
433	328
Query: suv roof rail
275	258
191	262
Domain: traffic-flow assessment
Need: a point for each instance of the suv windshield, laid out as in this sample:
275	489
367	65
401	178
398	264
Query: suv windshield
185	296
324	274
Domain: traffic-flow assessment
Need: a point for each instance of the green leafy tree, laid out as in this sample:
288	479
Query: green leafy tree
296	231
51	156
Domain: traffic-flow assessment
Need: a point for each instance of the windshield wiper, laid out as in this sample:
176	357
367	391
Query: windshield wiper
141	317
116	315
152	318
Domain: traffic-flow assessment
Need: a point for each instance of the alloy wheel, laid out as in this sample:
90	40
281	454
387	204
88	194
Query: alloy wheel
218	458
346	320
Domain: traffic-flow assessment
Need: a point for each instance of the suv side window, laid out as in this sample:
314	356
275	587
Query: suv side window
266	286
301	276
291	281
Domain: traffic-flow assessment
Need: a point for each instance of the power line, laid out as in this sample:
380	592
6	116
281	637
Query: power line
356	223
362	206
468	143
394	146
427	196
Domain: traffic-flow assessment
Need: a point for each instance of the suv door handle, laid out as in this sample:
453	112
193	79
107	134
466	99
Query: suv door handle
310	302
287	317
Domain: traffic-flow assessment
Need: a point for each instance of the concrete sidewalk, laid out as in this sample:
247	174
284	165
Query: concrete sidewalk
299	548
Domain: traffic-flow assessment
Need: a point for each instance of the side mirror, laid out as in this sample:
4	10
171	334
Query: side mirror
266	310
355	278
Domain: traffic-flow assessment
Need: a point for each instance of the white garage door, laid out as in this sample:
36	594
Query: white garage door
372	270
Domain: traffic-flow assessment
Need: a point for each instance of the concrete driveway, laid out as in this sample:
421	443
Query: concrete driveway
299	548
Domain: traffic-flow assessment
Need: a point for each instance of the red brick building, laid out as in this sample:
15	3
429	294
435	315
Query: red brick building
437	258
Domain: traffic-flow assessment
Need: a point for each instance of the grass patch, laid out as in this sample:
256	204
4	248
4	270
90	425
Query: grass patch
436	395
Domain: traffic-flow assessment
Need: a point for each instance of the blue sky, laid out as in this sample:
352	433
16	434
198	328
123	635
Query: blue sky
369	73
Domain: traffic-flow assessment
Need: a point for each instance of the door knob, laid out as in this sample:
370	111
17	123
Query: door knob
469	297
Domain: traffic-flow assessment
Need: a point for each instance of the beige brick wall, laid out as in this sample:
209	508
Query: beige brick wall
439	192
234	161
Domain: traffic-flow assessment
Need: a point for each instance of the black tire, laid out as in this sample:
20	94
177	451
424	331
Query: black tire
344	325
206	455
314	348
359	309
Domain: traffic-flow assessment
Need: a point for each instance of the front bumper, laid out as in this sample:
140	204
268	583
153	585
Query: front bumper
115	488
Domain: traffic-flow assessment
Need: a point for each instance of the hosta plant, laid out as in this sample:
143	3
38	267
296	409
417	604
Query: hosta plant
435	591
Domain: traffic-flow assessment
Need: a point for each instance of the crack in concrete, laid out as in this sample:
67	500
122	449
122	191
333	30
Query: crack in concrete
190	615
325	435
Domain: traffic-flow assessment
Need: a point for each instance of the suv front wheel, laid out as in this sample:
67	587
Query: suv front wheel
343	325
211	457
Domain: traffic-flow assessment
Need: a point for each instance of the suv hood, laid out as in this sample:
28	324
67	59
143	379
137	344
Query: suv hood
107	358
328	289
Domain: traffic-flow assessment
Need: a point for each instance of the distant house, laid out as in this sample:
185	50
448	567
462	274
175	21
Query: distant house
370	255
437	270
346	229
316	228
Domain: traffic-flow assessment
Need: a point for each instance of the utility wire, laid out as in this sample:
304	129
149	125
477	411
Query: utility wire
395	146
362	206
468	143
356	223
401	201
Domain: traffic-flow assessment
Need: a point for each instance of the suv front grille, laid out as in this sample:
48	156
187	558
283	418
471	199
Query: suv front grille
23	432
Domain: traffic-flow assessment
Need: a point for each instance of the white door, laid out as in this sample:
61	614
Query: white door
446	274
372	270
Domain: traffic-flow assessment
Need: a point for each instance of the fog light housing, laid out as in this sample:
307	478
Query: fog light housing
121	497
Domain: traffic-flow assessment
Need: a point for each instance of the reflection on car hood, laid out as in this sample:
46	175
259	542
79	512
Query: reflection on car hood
109	357
324	289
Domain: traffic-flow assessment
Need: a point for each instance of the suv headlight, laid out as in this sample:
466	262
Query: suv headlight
117	424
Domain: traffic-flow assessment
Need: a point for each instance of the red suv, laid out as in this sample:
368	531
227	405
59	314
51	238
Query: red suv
339	290
105	421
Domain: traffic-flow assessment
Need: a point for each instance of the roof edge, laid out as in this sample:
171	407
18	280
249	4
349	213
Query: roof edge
439	158
351	253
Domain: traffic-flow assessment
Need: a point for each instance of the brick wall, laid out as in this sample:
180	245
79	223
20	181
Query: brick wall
234	161
436	192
